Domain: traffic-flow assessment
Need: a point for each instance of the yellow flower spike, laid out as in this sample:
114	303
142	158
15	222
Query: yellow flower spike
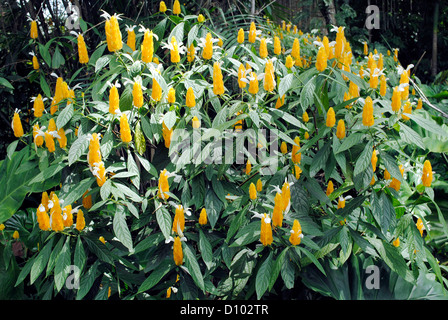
203	217
296	233
395	183
289	62
253	83
286	196
367	113
35	63
330	188
131	39
178	254
366	48
269	77
296	156
284	148
252	191
174	53
16	235
419	225
2	227
396	100
341	203
248	167
280	102
114	100
240	38
306	135
191	53
252	32
52	125
179	220
220	43
102	240
405	93
33	31
295	53
176	7
218	84
297	171
167	133
195	123
277	46
373	81
171	97
94	153
380	63
340	130
49	142
266	230
80	220
137	95
386	175
374	159
147	46
353	90
241	75
162	7
407	108
201	18
163	185
125	131
62	138
156	93
396	242
277	213
56	215
331	118
305	117
207	52
321	60
38	106
419	104
82	50
42	218
396	55
263	48
259	185
427	174
38	140
383	85
190	98
67	216
53	107
17	125
113	34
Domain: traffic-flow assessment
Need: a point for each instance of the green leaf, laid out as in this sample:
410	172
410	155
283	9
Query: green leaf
213	205
391	165
320	159
409	136
44	86
80	257
428	124
102	62
383	211
6	83
58	59
285	84
62	263
78	148
206	249
164	220
105	189
192	266
41	261
350	141
247	234
157	275
121	229
307	93
64	116
263	277
312	257
364	159
87	281
277	266
192	35
392	258
77	190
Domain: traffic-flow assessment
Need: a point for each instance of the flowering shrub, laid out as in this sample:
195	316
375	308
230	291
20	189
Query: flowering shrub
156	178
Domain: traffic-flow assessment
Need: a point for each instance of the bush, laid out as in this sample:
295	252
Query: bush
289	156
